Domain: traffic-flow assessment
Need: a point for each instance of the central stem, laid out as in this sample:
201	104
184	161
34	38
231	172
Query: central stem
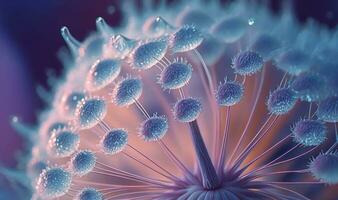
208	172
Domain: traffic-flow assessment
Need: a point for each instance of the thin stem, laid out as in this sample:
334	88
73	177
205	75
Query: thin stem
254	142
147	166
173	177
265	152
206	70
332	147
282	172
288	190
221	161
282	81
310	109
285	161
177	162
142	109
250	116
336	131
144	179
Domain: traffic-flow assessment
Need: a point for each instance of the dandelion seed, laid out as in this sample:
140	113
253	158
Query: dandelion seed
127	91
102	73
229	93
324	168
187	110
309	132
90	112
89	194
186	39
281	101
63	144
114	141
54	182
83	162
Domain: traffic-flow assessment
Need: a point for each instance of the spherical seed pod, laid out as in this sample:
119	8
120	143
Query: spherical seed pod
148	54
53	182
229	93
83	162
185	39
328	110
63	143
309	132
176	75
293	62
90	111
127	91
310	87
156	26
187	110
247	63
196	18
266	46
154	128
102	73
89	194
230	30
281	101
324	168
70	101
114	141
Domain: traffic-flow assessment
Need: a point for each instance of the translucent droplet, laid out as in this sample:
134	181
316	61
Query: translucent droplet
251	21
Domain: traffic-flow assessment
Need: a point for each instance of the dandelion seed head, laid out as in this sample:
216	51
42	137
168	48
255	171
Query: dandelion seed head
154	128
148	54
63	144
309	132
83	162
229	93
114	141
102	73
175	75
186	38
127	91
247	62
324	168
187	110
89	194
90	111
281	101
54	182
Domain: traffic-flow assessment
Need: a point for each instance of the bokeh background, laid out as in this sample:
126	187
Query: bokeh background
30	41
